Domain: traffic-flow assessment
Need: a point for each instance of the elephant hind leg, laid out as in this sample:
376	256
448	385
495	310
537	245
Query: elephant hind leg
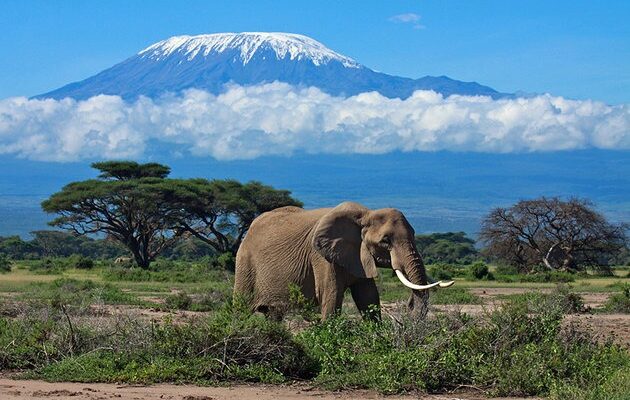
244	280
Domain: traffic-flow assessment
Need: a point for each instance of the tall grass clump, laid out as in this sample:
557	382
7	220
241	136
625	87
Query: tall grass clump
619	302
233	344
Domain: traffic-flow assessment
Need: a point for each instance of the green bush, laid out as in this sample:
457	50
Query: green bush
231	345
560	300
454	295
178	301
541	277
512	352
49	265
75	292
80	262
167	271
479	270
5	264
505	269
619	302
226	261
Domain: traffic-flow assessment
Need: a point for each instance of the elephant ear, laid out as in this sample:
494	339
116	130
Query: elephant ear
338	239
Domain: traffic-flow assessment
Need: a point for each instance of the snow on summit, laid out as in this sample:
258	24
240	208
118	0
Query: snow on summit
211	62
296	47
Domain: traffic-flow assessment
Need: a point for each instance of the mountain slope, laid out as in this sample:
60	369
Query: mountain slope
210	61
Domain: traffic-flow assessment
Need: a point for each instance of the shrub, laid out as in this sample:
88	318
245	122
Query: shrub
48	265
479	270
178	301
299	304
619	302
541	277
506	269
5	264
81	293
559	301
231	345
225	261
439	272
454	295
510	352
80	262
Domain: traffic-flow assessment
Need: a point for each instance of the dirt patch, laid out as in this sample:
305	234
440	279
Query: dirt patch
28	389
604	327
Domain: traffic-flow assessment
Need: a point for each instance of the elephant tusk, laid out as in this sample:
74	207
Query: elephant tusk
446	284
410	285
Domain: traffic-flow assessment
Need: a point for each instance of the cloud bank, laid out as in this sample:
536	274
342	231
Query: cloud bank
276	118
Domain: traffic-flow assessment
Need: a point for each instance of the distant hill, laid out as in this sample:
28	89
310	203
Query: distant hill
210	61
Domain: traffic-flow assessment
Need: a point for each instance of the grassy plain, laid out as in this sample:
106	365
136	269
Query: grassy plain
178	323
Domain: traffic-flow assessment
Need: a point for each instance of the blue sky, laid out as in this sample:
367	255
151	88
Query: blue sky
576	49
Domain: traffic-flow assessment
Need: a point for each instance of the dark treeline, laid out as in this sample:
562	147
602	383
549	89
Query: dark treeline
50	243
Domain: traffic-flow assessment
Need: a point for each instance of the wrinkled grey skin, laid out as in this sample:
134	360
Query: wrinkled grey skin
324	252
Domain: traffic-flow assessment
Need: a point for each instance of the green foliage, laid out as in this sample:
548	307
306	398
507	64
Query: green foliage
300	305
125	170
479	270
137	206
189	249
454	295
178	301
505	269
49	265
81	262
233	344
619	302
443	271
559	301
226	261
80	293
540	277
168	271
5	264
219	212
512	352
519	350
449	247
16	248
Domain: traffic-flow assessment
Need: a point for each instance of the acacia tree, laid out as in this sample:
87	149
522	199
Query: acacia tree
566	235
126	203
219	212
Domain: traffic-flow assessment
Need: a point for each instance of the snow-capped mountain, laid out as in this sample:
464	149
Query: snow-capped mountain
210	61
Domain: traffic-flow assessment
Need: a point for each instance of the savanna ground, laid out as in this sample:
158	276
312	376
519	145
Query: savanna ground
174	333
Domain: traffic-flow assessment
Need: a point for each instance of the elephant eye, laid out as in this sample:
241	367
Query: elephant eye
385	240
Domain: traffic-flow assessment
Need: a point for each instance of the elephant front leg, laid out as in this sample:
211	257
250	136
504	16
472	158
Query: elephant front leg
331	291
365	296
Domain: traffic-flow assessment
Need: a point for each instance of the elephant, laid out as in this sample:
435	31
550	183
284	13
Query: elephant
324	252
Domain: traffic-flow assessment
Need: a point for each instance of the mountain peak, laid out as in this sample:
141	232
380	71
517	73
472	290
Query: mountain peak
247	44
209	62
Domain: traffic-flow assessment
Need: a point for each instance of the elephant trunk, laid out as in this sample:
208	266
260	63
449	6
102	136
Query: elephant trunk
409	268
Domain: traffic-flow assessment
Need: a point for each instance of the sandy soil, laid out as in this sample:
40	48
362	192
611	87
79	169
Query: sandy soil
31	389
615	327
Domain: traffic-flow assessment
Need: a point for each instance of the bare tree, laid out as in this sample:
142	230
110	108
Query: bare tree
564	235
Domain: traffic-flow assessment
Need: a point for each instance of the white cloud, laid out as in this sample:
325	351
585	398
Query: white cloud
408	18
276	118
